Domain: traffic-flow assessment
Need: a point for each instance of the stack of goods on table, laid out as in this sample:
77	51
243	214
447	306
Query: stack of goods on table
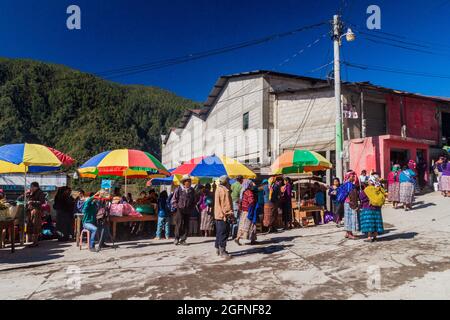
122	209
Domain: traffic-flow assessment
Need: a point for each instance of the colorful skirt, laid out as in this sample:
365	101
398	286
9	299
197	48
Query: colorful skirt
371	221
34	225
444	184
351	222
247	230
207	221
407	192
394	192
269	216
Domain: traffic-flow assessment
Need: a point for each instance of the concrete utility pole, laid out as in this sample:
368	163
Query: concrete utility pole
337	94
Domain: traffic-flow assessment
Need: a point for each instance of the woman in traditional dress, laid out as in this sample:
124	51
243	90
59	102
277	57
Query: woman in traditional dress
394	185
372	199
336	207
204	206
407	187
272	191
351	223
247	227
286	203
445	179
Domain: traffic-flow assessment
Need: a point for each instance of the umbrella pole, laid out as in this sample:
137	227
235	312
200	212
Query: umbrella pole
24	228
125	184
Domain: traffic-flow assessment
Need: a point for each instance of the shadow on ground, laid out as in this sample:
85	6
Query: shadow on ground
264	250
46	251
399	236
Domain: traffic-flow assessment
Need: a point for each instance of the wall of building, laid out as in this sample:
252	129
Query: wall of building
224	124
419	116
306	121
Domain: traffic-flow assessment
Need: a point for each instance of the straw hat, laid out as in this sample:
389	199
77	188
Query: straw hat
186	177
223	179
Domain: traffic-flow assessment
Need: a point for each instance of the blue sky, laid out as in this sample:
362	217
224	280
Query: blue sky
118	33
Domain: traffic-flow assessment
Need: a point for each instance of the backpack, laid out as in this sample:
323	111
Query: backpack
103	211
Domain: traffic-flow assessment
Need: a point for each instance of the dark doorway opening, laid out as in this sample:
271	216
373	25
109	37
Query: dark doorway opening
399	156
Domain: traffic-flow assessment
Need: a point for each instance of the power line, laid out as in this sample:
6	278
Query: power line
308	46
124	71
398	46
163	63
395	70
400	38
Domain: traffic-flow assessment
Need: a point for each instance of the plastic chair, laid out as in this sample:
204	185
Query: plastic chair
88	236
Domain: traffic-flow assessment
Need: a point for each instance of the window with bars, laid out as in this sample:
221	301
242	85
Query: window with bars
245	121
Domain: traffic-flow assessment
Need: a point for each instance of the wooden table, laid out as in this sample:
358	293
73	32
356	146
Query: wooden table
305	211
115	220
10	226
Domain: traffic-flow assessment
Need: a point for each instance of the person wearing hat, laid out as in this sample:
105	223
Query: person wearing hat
183	201
223	211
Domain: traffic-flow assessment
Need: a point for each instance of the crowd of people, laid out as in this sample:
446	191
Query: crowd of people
232	211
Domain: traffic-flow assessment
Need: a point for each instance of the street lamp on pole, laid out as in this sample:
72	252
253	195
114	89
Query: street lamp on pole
337	36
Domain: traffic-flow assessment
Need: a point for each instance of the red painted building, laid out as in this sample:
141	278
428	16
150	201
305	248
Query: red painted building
394	128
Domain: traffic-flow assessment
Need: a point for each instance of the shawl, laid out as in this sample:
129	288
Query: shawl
376	195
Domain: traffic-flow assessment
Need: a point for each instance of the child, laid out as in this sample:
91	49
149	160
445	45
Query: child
163	216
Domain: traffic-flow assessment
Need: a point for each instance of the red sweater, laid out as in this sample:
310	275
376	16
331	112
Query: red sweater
248	199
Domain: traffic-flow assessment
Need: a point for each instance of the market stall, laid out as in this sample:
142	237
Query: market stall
295	162
30	158
126	164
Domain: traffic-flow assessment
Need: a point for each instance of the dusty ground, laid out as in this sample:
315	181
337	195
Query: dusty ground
412	262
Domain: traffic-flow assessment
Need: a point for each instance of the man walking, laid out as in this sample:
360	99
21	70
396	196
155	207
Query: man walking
223	210
183	201
236	198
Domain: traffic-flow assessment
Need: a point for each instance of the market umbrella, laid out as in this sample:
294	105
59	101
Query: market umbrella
127	163
299	161
167	181
214	167
31	158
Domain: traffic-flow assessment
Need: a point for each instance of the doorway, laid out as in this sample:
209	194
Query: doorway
399	156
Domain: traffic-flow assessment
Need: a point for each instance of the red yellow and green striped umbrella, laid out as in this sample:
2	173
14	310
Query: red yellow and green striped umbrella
299	161
122	163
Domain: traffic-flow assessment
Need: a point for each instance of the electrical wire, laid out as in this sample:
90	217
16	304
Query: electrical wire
400	38
164	63
395	70
203	54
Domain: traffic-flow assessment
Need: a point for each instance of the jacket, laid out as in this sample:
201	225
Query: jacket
184	199
223	206
90	211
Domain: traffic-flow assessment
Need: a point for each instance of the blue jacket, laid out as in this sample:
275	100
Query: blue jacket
163	208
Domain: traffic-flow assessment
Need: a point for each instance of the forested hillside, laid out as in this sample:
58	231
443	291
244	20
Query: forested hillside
79	113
